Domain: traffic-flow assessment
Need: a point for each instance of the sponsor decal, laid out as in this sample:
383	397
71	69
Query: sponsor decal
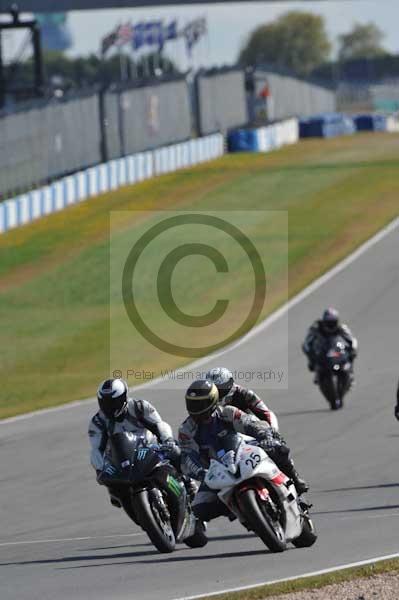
142	453
173	485
279	479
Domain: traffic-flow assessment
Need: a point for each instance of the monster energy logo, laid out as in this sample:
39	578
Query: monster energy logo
173	485
141	454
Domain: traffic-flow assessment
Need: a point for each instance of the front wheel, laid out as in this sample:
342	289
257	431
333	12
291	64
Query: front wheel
260	522
153	518
329	389
308	535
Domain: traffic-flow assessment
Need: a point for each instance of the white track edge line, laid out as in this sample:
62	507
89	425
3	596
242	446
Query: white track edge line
280	312
76	539
303	576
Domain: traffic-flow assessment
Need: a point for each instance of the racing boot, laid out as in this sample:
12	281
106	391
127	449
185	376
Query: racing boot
199	538
114	499
300	484
286	465
191	487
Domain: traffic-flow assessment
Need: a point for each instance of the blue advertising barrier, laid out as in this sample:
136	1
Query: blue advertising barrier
326	126
263	139
371	122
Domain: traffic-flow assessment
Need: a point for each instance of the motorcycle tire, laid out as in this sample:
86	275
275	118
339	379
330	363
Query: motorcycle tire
158	530
259	523
329	390
308	536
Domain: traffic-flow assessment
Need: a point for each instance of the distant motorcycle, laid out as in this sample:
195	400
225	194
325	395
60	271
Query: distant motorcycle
153	494
334	371
260	495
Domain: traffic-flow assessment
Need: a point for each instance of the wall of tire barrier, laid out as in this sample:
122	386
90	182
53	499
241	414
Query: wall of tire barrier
264	139
106	177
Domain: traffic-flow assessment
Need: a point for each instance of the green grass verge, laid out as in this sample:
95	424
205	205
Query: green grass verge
310	583
54	274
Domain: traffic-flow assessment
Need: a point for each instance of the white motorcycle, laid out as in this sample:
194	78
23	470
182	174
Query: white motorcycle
260	495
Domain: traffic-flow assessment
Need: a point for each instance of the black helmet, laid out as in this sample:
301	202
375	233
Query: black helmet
112	398
222	378
330	320
201	399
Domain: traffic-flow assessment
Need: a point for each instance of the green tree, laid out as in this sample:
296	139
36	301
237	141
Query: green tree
297	41
364	41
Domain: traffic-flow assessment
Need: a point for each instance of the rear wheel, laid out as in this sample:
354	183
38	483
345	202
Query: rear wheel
153	517
329	389
308	535
261	522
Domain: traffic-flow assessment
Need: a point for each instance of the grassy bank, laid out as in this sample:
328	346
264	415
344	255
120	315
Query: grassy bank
54	274
311	583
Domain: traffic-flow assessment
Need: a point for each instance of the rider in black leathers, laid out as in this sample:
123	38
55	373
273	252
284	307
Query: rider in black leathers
326	327
397	404
201	432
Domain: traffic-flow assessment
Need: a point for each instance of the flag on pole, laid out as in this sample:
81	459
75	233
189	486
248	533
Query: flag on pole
193	32
124	34
108	41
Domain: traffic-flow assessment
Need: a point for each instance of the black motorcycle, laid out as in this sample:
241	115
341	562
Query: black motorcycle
152	492
334	371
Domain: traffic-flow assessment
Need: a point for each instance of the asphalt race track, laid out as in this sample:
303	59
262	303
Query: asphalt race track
350	458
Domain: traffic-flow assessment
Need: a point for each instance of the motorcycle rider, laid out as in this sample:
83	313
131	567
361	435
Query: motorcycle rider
199	434
397	404
230	393
119	413
322	330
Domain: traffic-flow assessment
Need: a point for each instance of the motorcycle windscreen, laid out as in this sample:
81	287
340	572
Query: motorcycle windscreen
123	446
144	462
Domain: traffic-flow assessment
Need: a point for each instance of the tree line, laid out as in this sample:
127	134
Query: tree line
297	41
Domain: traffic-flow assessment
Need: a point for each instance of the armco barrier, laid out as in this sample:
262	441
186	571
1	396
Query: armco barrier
264	139
106	177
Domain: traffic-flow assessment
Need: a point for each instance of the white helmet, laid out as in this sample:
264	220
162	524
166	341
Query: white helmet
112	398
222	378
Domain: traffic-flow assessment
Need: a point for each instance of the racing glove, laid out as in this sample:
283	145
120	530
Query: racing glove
106	474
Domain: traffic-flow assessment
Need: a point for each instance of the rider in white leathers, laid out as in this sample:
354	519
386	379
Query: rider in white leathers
119	413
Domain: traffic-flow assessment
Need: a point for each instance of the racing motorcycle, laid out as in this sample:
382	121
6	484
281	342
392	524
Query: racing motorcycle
152	493
334	368
263	499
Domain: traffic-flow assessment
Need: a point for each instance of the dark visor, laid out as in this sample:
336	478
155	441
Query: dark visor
197	407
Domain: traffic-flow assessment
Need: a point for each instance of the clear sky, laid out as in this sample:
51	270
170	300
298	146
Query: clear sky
230	24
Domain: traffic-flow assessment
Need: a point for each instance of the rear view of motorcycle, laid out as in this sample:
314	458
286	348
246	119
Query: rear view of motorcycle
260	495
152	493
334	371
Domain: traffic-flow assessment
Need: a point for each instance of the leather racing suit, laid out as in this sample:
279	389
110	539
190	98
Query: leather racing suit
199	442
140	417
249	402
317	333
